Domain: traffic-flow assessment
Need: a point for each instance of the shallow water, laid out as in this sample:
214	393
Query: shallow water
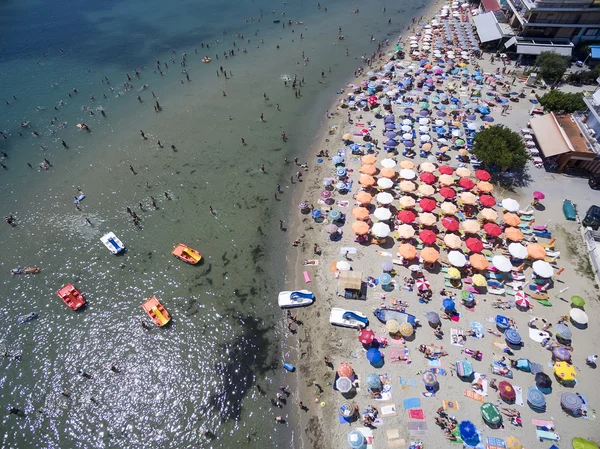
213	365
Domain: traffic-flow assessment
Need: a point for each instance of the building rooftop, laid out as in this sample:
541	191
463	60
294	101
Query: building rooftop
574	134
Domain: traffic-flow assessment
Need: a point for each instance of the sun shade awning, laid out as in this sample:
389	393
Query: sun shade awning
549	135
487	27
350	280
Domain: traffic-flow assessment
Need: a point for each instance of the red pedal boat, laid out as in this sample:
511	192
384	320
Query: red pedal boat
71	296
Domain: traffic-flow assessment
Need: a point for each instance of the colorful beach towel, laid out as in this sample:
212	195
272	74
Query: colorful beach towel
435	362
450	405
519	396
477	327
416	413
412	403
394	355
456	337
482	379
438	371
475	396
494	443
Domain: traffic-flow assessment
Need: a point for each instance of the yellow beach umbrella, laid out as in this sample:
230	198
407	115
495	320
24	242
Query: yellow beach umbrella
392	326
513	443
406	329
565	371
347	136
479	280
453	273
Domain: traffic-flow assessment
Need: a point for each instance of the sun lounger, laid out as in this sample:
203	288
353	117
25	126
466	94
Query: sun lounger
545	435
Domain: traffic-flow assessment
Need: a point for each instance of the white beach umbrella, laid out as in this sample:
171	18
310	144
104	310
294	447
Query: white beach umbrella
423	121
578	316
385	183
457	258
380	230
406	128
510	205
424	129
502	263
388	163
384	198
440	123
342	265
543	269
456	133
425	138
517	250
405	173
407	136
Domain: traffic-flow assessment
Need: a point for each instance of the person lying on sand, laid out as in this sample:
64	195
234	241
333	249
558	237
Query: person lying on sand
309	262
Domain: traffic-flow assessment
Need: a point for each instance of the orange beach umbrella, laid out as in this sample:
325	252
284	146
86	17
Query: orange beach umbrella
407	251
366	180
368	169
364	197
360	213
360	227
536	251
368	159
478	261
429	255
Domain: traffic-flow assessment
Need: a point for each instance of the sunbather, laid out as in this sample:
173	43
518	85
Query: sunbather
510	412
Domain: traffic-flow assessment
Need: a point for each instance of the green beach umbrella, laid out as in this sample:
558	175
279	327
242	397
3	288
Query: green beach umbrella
377	110
459	142
424	105
398	47
577	301
490	413
582	443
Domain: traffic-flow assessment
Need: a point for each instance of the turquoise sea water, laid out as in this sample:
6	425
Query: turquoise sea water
219	361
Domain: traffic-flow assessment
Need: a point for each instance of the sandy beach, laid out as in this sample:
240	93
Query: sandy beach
406	414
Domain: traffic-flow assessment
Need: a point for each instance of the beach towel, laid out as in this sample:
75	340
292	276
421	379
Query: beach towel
484	382
411	403
536	368
477	327
438	371
385	396
393	355
344	420
543	424
348	249
417	429
456	337
450	405
385	253
416	413
388	410
378	422
311	263
475	396
435	362
344	203
538	335
404	381
490	320
500	346
494	443
519	396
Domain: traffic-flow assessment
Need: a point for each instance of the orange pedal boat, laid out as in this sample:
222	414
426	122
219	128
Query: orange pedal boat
187	254
71	296
156	311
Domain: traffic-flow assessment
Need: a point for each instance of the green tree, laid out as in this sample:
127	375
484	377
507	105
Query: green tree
557	101
552	66
500	147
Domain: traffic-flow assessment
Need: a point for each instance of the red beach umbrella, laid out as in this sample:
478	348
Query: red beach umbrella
366	336
427	204
487	200
474	245
492	229
506	390
466	183
345	370
406	216
428	237
450	223
447	192
427	178
482	175
445	170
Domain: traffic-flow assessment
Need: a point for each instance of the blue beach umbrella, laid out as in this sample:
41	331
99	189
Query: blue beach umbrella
335	214
354	146
389	119
341	172
356	440
391	143
374	356
448	304
423	112
337	160
512	336
373	381
535	398
316	214
488	118
408	143
563	331
390	134
468	433
471	117
385	279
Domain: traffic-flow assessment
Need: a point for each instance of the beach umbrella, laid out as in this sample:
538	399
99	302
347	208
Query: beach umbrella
407	251
360	213
513	443
510	205
356	440
427	167
457	259
543	269
422	284
407	186
493	230
347	136
467	184
571	402
380	229
487	200
385	183
384	198
535	398
561	353
368	169
388	163
392	326
433	317
467	197
538	195
468	433
563	331
360	227
448	304
390	134
479	280
577	301
346	409
514	235
345	370
429	379
506	390
334	214
427	178
407	164
405	231
450	223
331	229
453	273
303	205
511	219
407	201
521	300
430	255
343	265
447	192
354	147
578	316
373	381
388	173
363	197
428	204
471	226
343	384
365	180
406	329
368	159
473	244
366	336
542	380
374	356
427	218
325	194
482	175
512	336
446	180
485	187
341	172
463	172
463	368
381	213
426	190
387	266
517	250
316	214
406	216
536	251
582	443
427	236
478	261
489	214
490	413
448	208
445	170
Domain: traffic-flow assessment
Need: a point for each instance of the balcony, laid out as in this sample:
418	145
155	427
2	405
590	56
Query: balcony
593	106
591	139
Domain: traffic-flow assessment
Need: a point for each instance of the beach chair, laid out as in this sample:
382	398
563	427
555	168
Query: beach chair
546	435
